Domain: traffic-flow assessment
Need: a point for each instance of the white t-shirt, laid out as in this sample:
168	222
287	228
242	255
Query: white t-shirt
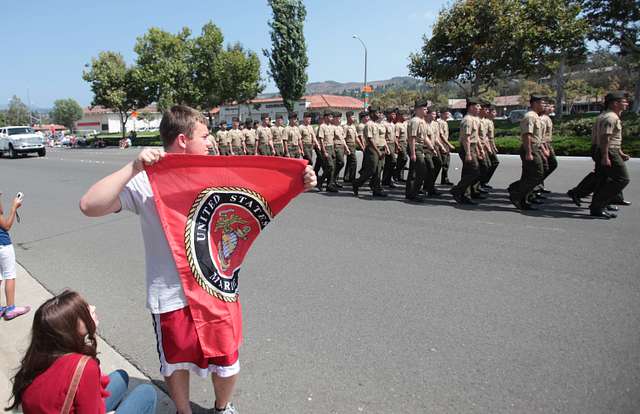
164	289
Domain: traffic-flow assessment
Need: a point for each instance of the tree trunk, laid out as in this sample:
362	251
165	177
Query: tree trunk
636	97
560	88
123	121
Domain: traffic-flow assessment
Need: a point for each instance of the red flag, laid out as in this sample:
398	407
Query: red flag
211	210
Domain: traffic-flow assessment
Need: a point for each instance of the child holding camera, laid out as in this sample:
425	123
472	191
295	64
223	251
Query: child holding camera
8	262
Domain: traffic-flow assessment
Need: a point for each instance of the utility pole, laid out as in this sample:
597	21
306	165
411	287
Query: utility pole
366	89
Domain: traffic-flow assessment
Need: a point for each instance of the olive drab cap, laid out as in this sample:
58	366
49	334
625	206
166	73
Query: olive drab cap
327	113
279	117
264	116
474	101
486	103
307	115
615	96
421	103
293	115
362	114
337	114
248	122
235	119
349	113
535	98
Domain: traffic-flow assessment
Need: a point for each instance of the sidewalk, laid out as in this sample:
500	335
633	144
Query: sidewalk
15	336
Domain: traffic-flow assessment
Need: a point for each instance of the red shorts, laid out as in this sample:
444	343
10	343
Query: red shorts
179	347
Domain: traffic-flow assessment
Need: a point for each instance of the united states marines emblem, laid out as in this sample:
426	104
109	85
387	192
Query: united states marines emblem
222	224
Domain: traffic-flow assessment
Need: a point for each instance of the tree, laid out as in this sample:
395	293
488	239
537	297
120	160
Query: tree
473	44
288	56
166	63
205	52
116	86
3	118
617	22
560	35
238	74
579	88
527	88
18	113
66	112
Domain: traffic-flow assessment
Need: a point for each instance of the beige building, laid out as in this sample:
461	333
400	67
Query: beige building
101	119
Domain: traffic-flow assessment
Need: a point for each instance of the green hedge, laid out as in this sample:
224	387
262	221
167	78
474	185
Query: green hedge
563	145
572	136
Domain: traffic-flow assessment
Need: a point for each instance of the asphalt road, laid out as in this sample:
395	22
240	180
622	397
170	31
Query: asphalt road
379	306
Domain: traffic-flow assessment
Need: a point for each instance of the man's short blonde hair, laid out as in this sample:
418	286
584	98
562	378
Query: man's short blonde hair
180	119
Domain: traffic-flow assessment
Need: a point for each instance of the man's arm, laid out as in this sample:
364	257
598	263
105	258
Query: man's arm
104	196
604	150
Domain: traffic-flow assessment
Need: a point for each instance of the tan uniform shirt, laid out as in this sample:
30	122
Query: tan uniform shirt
338	135
470	126
371	134
264	135
401	133
350	134
390	132
325	133
483	130
250	136
444	130
307	134
532	125
382	131
491	130
547	135
277	133
417	128
236	137
432	130
360	129
608	124
293	135
221	138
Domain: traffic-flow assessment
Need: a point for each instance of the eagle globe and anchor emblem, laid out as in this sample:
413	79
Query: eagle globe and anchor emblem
222	224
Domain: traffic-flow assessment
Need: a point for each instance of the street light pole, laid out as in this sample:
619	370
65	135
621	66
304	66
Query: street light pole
366	93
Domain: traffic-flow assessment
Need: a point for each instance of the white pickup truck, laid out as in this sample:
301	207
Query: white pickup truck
16	140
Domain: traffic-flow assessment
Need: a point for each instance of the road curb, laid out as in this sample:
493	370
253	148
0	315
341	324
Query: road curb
15	334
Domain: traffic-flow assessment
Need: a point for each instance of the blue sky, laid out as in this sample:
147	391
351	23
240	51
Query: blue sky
46	43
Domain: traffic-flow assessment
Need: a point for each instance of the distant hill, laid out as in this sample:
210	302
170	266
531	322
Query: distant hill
351	88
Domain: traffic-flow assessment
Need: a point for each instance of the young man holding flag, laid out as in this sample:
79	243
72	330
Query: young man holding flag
183	131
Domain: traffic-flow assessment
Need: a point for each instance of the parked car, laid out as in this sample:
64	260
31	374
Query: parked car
516	115
458	115
16	140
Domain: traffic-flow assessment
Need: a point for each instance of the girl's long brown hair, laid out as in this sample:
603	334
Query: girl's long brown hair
54	333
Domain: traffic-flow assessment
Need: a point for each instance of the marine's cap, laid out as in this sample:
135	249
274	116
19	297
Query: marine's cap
421	103
474	101
403	112
223	123
337	114
263	116
307	115
536	97
362	114
615	96
349	113
327	113
293	115
373	110
248	121
279	117
486	103
235	119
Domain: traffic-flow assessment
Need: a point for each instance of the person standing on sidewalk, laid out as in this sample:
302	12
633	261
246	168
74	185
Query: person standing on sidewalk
183	131
8	263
